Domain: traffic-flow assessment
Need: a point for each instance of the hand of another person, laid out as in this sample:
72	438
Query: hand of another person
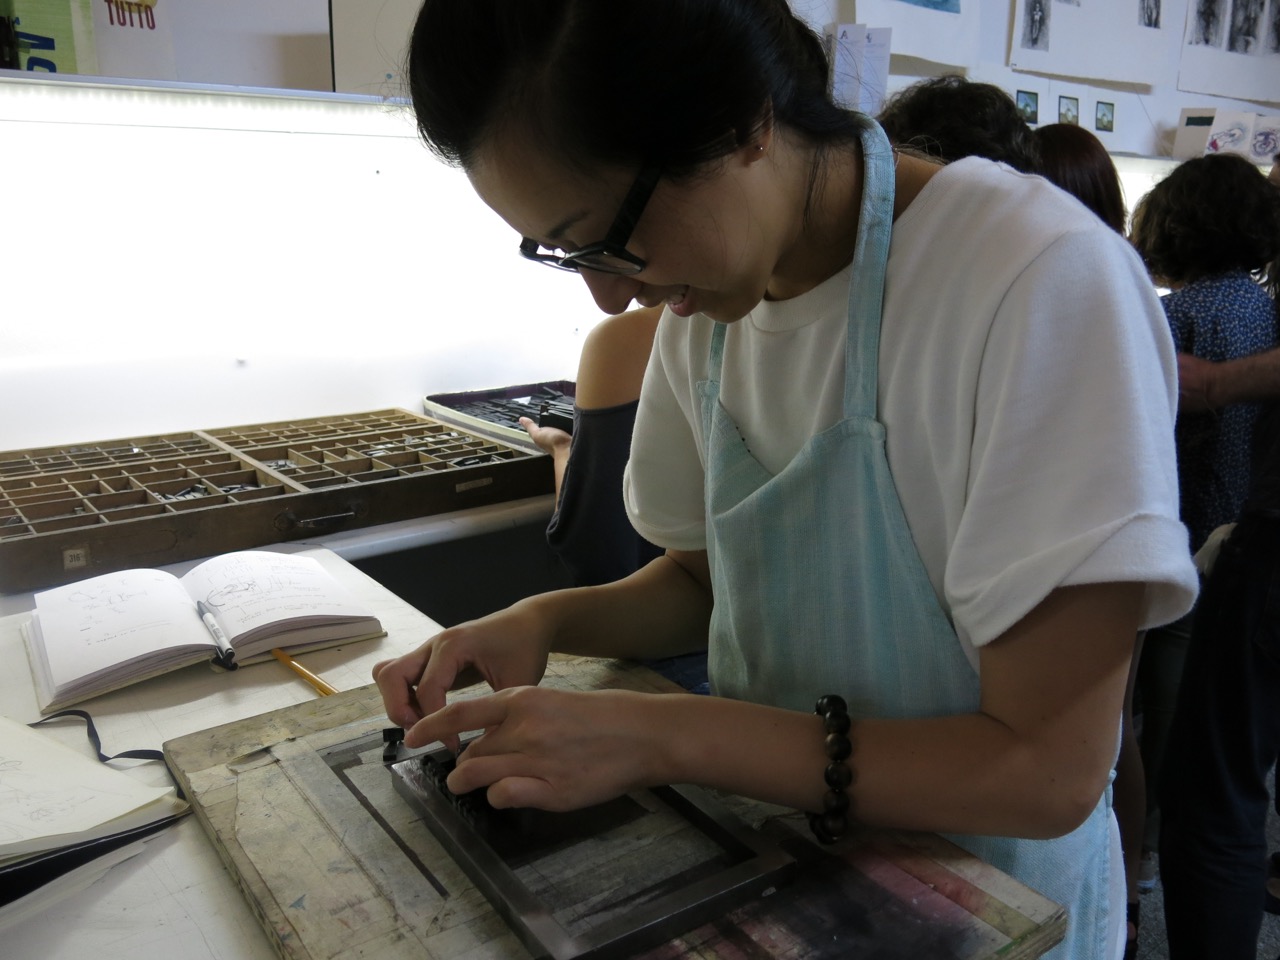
548	439
1195	378
552	749
506	649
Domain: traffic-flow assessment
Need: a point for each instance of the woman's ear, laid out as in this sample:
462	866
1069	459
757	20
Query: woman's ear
757	147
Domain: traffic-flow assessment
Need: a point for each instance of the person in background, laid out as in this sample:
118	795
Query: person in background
1225	733
917	498
950	117
1074	159
1203	231
589	530
1206	385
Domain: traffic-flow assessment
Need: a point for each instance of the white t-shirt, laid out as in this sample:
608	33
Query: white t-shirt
1027	384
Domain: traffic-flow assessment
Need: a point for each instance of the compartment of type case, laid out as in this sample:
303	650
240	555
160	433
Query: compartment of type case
69	512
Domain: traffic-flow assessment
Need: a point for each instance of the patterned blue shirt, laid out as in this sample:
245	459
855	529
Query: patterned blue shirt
1217	318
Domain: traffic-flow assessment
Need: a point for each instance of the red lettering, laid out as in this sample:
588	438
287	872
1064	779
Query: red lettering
128	13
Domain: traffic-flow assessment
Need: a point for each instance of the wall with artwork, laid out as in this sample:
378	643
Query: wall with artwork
1123	68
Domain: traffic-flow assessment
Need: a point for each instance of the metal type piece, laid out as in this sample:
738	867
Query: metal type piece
392	738
493	845
558	415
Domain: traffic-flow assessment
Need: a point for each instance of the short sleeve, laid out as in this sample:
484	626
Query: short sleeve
664	480
1072	467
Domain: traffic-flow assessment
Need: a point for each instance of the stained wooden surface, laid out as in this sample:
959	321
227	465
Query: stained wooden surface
336	866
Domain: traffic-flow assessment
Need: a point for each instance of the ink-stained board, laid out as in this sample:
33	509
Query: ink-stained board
337	866
72	512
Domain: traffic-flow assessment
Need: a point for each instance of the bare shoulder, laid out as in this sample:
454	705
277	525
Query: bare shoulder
614	356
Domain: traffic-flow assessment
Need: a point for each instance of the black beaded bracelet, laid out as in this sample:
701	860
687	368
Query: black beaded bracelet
830	825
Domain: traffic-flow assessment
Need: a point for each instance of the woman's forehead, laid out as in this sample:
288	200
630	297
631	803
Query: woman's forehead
538	194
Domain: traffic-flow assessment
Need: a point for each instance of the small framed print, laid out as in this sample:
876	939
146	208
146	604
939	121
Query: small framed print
1028	105
1069	110
1104	117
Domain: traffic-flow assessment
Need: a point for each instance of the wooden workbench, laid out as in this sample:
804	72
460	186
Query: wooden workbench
334	875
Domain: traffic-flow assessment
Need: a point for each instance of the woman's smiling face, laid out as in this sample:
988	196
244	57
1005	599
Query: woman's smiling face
706	241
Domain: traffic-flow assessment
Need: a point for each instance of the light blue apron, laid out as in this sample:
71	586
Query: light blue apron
819	587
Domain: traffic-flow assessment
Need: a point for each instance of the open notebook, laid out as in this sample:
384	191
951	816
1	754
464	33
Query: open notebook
100	634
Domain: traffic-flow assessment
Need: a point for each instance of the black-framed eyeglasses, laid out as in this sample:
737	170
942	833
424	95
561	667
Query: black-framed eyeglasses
609	255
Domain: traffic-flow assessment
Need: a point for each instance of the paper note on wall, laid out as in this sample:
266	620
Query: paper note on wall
1254	136
875	70
134	40
942	31
859	57
846	43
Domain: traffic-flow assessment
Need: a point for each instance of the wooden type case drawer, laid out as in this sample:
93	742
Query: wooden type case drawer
71	512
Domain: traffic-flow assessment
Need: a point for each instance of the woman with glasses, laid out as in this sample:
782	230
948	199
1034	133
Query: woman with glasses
905	436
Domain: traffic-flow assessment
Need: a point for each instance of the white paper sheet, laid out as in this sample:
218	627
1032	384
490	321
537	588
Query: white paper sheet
51	795
1232	49
1115	40
943	31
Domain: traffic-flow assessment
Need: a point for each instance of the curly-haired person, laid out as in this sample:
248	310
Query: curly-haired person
1208	231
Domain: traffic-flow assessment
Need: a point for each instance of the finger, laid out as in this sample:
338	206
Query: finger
526	792
396	680
478	713
507	779
440	675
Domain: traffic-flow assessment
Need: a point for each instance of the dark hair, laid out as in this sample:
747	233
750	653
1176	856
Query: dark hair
1213	214
949	117
675	83
1075	160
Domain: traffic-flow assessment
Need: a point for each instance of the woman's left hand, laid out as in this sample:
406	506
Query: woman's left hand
553	749
549	439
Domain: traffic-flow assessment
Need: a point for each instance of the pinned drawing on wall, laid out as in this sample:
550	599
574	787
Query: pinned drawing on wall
1035	25
135	40
1206	28
1113	40
1069	110
1244	34
1104	117
940	31
1254	136
1230	50
1028	105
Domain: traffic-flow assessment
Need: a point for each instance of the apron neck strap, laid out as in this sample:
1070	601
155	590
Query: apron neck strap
866	280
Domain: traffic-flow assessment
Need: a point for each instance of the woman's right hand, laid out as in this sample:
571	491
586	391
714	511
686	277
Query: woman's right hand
505	649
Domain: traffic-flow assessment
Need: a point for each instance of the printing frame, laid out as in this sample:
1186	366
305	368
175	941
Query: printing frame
760	865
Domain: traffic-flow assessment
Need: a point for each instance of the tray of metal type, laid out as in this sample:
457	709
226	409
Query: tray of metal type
497	412
71	512
604	882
